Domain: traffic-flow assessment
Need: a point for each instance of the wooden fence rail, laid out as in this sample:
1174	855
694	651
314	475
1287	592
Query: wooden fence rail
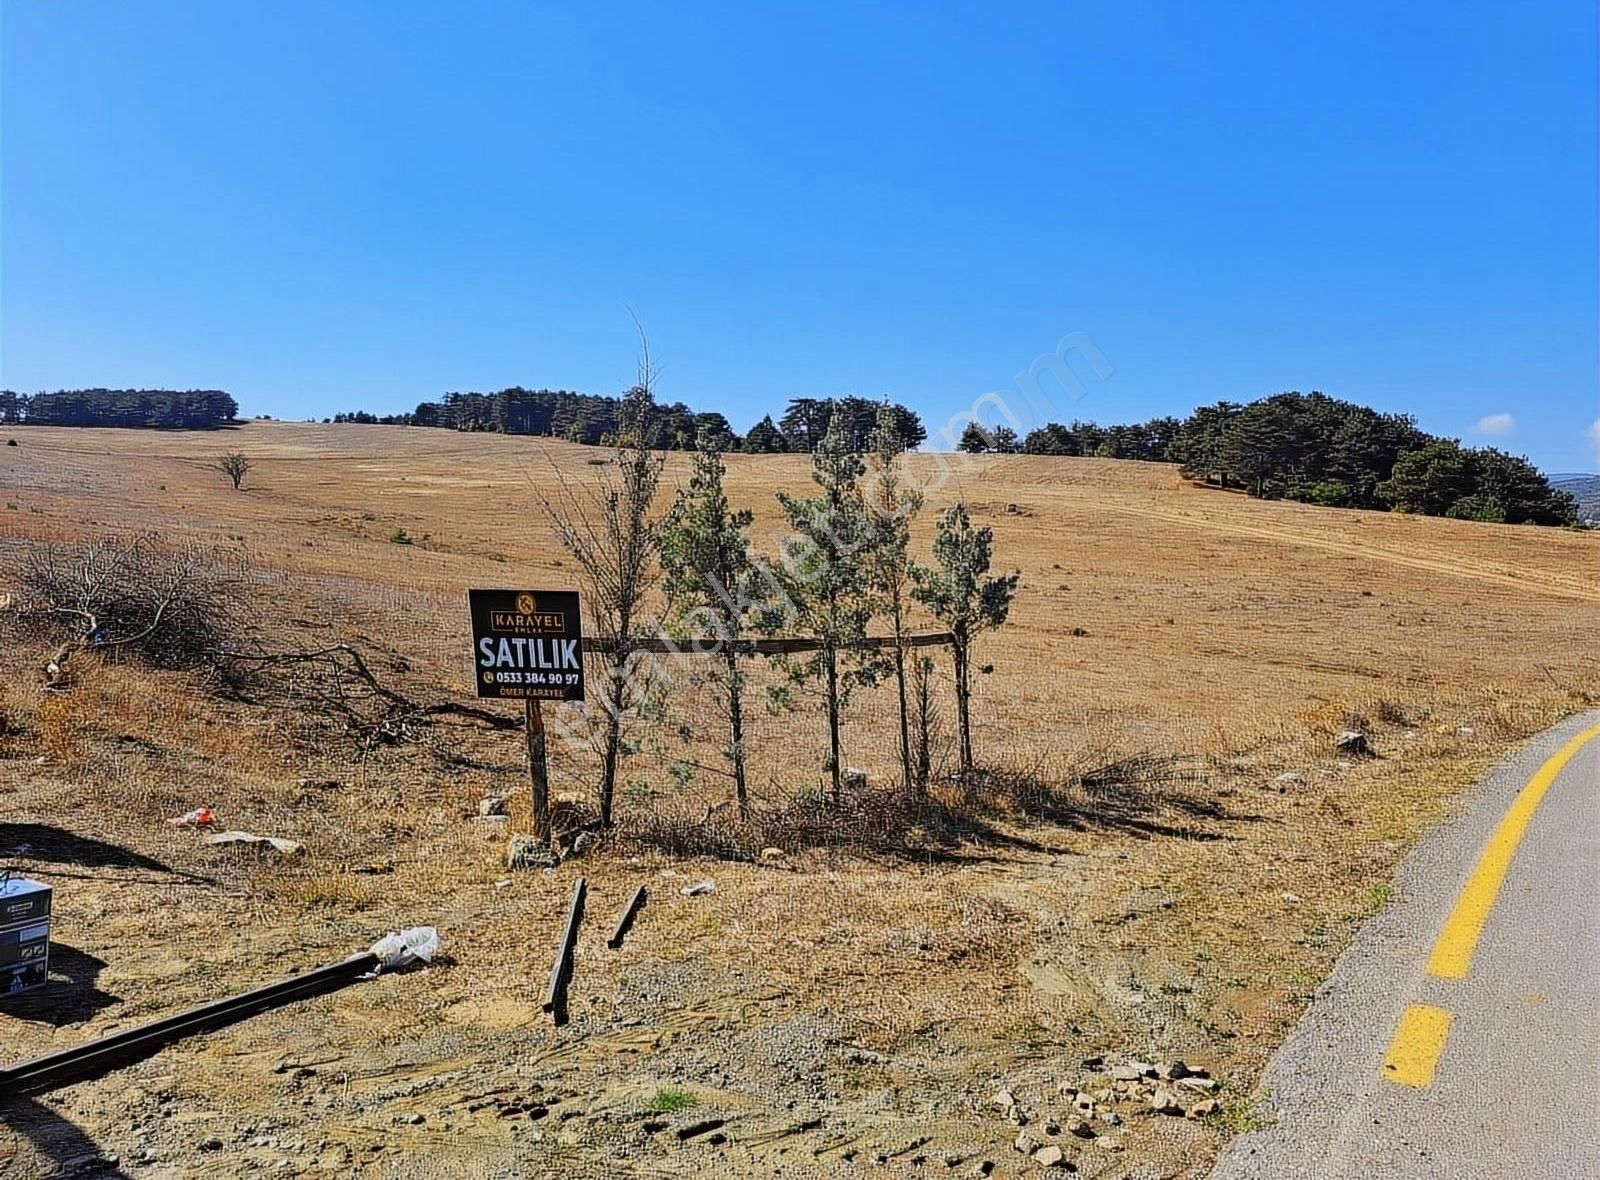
707	646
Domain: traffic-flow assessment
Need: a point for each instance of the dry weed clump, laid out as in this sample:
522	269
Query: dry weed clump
62	729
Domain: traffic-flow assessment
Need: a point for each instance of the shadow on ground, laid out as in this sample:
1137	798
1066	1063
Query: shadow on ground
47	842
72	995
986	815
52	1141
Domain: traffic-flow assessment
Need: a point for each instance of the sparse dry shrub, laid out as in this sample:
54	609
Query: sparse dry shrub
62	728
678	827
1392	712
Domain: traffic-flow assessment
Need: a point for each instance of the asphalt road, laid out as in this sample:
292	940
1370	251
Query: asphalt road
1459	1035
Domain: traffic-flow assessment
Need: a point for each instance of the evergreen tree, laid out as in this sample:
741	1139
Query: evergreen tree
710	585
1430	479
822	587
975	439
959	593
1004	440
893	504
765	438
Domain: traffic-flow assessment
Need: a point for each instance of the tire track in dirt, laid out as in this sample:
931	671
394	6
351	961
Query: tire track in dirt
1517	578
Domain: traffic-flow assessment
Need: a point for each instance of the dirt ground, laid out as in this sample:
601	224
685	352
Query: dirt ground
833	1012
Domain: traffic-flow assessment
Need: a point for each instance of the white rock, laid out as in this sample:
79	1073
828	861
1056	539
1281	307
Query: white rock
1049	1157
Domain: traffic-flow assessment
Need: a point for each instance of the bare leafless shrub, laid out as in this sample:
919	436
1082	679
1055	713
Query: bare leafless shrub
234	465
169	607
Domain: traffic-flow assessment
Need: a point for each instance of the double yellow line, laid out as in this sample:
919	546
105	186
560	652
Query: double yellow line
1414	1053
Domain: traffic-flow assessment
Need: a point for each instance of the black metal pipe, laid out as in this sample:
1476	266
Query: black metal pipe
625	919
55	1069
555	999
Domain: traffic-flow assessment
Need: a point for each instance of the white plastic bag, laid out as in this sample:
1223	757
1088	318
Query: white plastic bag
416	945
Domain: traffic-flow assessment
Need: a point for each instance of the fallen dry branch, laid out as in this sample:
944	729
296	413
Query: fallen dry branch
337	681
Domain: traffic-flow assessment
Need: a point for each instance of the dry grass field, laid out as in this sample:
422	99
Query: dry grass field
846	1010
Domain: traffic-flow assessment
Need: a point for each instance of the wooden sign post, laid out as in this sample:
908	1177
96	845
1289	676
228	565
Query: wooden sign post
528	645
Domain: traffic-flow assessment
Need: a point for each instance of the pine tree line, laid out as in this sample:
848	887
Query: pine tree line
1317	449
594	419
163	409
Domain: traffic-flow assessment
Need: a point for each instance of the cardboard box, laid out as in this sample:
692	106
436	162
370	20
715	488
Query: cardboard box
22	900
24	935
24	942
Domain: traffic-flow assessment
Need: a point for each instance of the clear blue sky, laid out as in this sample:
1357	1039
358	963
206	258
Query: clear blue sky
324	206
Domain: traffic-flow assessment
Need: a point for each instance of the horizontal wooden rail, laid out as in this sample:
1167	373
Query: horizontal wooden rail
706	645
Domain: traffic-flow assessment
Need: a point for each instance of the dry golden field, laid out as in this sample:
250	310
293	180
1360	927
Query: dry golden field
845	1010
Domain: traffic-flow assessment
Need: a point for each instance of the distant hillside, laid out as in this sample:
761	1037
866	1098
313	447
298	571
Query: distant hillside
1585	489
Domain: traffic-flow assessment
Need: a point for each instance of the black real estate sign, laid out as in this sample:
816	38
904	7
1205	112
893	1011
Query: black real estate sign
527	645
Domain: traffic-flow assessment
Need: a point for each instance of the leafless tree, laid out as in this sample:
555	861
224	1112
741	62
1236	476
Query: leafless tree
234	465
612	530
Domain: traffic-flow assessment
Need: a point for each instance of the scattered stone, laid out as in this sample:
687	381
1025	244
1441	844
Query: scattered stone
772	855
1084	1104
1465	730
1110	1118
1095	1062
1111	1144
982	1168
1202	1109
583	842
492	805
1172	1071
526	852
1130	1072
854	778
1025	1143
1050	1157
211	1144
1080	1128
1005	1099
699	887
1351	742
1290	778
1204	1085
1165	1102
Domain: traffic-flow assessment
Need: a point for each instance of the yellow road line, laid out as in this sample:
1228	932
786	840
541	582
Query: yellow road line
1453	951
1417	1043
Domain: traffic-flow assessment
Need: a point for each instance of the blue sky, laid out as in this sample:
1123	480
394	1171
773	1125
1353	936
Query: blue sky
324	206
